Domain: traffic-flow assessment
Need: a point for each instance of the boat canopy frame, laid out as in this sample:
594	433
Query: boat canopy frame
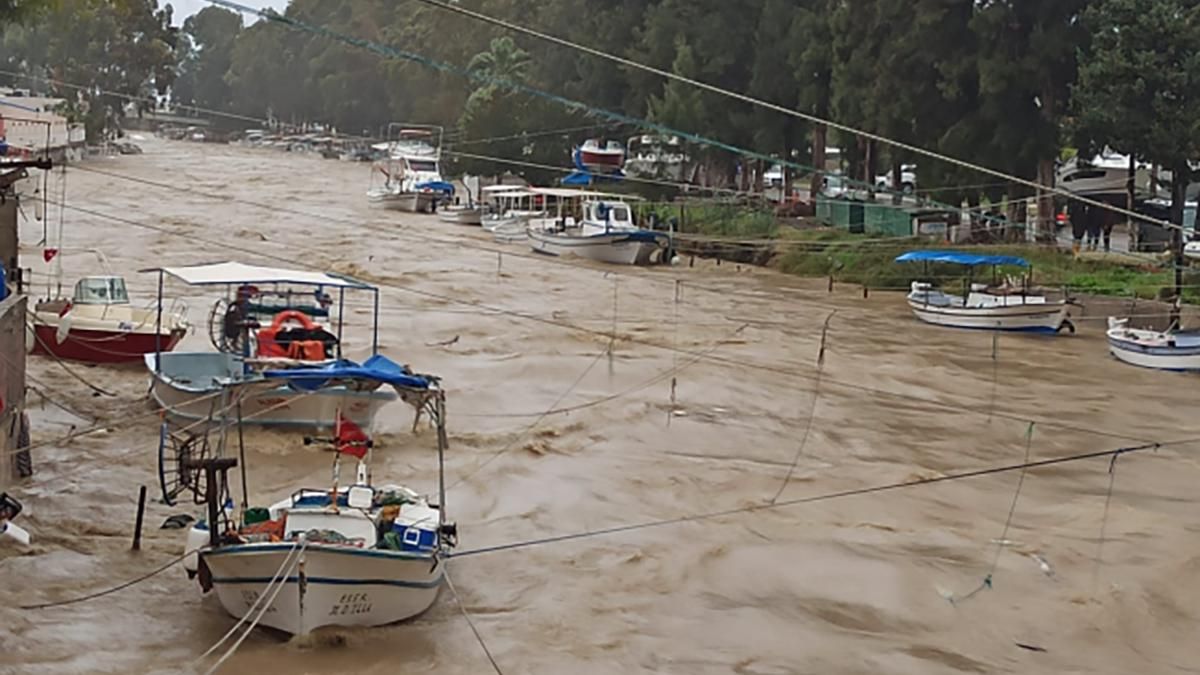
233	275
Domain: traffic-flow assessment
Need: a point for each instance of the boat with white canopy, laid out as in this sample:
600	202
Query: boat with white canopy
1009	305
595	225
269	334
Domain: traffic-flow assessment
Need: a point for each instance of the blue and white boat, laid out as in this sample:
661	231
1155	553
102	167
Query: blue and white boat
603	230
1163	350
1008	305
363	555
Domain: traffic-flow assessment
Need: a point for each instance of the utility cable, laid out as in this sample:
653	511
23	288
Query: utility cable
829	496
629	63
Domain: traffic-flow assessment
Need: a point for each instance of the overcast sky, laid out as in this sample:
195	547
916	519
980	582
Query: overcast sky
186	8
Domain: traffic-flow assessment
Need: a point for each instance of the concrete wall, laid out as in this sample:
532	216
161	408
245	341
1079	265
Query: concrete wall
12	381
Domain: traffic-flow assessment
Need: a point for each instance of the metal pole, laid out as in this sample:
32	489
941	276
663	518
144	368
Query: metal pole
158	328
440	407
137	528
341	314
375	329
242	458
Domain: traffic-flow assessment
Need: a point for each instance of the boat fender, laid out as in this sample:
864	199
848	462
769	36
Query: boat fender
64	329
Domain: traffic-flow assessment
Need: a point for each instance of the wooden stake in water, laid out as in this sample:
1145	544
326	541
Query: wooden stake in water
612	340
675	350
137	527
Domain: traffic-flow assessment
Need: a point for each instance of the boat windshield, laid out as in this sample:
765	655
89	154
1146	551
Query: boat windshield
423	165
101	291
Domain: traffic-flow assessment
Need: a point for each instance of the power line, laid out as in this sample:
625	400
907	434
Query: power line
734	363
392	52
829	496
784	110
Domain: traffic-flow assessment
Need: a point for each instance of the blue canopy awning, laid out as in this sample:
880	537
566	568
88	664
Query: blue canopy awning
958	258
378	368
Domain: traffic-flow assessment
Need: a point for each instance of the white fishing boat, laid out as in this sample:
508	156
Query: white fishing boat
1007	306
267	336
509	209
363	555
603	230
412	180
1163	350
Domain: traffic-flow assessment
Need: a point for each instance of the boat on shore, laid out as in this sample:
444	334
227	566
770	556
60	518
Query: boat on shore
98	324
1162	350
1008	306
269	345
596	226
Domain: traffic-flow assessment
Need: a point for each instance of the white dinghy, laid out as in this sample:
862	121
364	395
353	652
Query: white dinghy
1171	349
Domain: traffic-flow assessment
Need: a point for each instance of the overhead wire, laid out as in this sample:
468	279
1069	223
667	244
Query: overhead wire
526	316
765	506
816	119
393	52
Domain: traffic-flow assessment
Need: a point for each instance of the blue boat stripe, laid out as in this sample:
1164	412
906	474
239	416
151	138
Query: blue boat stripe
341	550
333	581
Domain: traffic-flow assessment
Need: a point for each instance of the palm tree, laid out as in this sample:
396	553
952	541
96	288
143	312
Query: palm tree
503	62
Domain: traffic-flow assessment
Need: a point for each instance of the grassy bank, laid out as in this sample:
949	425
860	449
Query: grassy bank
813	251
870	262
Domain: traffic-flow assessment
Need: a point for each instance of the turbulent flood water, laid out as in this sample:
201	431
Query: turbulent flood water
859	584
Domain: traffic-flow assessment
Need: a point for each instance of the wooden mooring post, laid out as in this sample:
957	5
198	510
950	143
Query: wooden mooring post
137	528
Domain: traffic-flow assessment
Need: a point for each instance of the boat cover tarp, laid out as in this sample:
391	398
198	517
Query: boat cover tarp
958	258
436	186
378	368
236	273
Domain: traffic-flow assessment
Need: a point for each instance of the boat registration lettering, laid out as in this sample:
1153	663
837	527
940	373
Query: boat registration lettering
251	597
351	603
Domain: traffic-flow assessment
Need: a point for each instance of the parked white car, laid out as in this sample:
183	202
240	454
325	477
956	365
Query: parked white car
908	179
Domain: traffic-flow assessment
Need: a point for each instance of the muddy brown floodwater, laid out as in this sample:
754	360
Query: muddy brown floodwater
851	585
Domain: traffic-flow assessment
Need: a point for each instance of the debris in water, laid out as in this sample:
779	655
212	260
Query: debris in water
1043	564
177	522
1032	648
443	343
679	412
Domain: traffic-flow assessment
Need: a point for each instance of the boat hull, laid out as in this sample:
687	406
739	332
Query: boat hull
1153	353
601	161
618	248
327	586
1037	318
412	202
467	216
101	346
266	405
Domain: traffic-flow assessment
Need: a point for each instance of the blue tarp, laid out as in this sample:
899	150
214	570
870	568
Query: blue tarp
957	258
378	368
437	186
